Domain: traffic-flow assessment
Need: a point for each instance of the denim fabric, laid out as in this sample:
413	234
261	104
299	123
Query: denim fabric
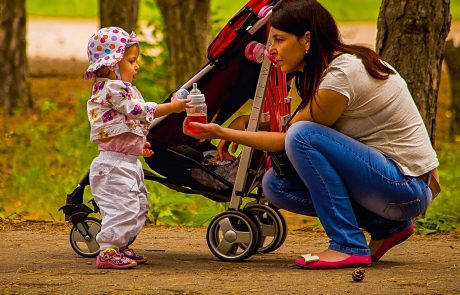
348	185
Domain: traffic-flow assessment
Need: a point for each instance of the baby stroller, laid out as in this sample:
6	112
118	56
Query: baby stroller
239	68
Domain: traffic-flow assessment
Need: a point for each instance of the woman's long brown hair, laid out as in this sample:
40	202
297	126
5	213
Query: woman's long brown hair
299	16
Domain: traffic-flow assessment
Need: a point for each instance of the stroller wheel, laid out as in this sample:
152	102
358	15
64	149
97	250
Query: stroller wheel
271	225
228	231
283	234
83	237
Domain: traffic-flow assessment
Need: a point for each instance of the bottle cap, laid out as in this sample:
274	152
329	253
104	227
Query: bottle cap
196	94
182	93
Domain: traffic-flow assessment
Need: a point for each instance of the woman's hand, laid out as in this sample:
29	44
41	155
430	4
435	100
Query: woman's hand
207	131
239	123
146	151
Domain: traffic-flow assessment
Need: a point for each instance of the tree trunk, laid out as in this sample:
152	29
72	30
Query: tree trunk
14	87
411	36
120	13
453	66
188	34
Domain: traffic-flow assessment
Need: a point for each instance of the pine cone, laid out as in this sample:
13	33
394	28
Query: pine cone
358	274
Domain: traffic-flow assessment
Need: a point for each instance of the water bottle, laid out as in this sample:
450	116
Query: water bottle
198	110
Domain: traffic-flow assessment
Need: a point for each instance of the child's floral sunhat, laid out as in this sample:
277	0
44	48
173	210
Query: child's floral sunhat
107	47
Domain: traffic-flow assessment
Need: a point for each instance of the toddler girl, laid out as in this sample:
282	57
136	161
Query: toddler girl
120	120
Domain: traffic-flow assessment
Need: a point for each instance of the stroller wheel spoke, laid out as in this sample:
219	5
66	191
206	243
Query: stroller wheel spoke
94	229
268	230
225	225
93	246
225	247
78	237
243	237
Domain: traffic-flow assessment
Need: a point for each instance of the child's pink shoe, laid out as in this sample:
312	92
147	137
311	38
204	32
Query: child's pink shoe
111	258
132	255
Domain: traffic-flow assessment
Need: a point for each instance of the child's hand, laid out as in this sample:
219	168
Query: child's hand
146	152
178	104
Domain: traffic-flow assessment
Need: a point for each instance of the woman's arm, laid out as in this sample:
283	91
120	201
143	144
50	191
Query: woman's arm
267	141
327	107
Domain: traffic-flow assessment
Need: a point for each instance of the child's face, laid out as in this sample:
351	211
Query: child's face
128	65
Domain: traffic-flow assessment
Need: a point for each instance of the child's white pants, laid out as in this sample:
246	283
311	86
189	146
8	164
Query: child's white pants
117	184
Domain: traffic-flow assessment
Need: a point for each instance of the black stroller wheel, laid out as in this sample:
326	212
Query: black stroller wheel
85	246
283	235
227	231
271	225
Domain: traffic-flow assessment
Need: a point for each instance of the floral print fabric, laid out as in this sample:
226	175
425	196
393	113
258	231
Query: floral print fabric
117	107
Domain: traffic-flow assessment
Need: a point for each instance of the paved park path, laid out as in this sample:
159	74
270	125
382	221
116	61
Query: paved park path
60	38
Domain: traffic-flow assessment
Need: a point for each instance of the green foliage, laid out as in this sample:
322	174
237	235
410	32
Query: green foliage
435	223
65	9
42	164
352	10
155	72
448	201
170	207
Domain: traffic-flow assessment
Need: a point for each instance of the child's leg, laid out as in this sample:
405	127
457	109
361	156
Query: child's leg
141	217
113	179
114	186
143	202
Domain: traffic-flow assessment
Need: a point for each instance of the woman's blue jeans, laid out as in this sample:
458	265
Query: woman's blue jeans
348	185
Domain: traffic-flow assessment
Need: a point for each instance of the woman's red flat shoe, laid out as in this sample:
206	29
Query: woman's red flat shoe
313	262
393	241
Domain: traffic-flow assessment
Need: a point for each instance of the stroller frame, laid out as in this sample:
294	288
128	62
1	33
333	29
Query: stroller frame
232	235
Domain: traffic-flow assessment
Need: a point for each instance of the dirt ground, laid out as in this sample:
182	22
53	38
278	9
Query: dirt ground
36	258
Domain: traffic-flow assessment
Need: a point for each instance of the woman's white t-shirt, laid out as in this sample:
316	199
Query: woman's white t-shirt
381	114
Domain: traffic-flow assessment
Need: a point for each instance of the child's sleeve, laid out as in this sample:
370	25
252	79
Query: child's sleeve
124	99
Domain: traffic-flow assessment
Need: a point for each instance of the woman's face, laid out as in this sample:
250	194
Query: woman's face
288	50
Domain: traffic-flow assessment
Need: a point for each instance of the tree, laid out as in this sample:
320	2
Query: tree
411	36
14	87
453	66
120	13
188	33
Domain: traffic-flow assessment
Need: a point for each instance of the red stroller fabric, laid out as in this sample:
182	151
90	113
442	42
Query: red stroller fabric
235	33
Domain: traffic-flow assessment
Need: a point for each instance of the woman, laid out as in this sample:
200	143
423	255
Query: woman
359	147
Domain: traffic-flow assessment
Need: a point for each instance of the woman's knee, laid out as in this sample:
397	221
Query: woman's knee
301	133
268	185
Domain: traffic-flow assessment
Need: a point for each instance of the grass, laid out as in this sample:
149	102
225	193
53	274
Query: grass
448	202
90	8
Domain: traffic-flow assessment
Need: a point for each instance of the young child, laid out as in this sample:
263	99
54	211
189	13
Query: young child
119	119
